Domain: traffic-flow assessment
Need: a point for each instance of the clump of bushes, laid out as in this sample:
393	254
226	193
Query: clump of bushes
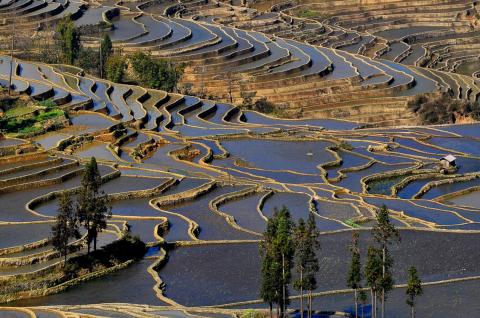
251	313
261	105
75	142
127	248
442	109
156	73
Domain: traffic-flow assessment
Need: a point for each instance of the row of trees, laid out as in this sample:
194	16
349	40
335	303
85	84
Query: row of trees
112	64
91	210
285	246
378	267
67	42
442	108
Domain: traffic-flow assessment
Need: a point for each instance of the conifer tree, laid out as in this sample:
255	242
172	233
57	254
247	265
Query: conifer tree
373	275
284	250
384	233
93	207
414	289
312	267
301	257
270	268
65	227
354	278
106	49
277	251
68	40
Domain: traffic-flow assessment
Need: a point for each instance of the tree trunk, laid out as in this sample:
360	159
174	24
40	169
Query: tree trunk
283	286
278	310
363	306
383	276
301	292
271	310
89	238
65	255
310	303
383	303
95	242
372	298
356	305
413	311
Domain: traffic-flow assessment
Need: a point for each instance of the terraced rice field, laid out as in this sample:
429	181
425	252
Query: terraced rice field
197	179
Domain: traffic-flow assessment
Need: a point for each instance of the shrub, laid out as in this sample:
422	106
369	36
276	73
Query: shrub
156	73
89	60
251	313
68	40
115	67
443	109
122	250
48	103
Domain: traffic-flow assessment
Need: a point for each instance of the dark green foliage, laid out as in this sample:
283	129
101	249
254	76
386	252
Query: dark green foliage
301	252
156	73
115	67
354	278
373	269
442	109
89	60
312	266
65	227
277	252
306	262
264	106
414	288
68	40
384	233
261	105
106	49
93	206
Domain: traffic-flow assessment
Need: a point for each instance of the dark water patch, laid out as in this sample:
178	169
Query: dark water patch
105	290
212	225
245	212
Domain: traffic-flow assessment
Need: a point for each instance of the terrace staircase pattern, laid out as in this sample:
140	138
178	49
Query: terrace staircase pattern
344	66
190	175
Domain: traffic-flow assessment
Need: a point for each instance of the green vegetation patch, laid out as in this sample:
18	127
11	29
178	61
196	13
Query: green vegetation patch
351	223
22	118
311	14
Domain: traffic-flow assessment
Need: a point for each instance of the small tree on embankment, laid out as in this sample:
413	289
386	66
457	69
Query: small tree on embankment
93	206
65	227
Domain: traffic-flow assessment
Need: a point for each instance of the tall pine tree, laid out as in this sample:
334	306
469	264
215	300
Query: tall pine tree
373	275
312	267
277	250
106	49
354	278
385	233
285	251
65	227
93	207
68	40
301	258
414	289
270	267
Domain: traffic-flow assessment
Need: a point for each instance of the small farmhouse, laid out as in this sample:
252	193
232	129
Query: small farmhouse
448	162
